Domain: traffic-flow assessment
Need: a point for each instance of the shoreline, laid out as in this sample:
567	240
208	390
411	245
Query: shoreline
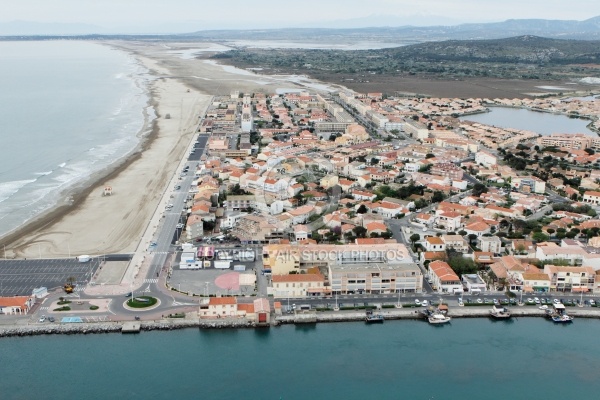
144	172
86	328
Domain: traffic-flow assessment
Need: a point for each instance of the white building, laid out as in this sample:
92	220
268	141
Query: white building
491	244
485	159
473	283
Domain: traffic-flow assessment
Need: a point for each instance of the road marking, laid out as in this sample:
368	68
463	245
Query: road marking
151	280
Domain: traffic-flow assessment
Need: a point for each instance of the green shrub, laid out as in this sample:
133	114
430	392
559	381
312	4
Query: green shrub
60	303
63	308
94	307
135	303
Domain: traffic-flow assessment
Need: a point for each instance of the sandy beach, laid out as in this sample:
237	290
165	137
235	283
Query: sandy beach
95	224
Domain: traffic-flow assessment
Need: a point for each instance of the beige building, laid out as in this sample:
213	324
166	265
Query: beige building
298	285
375	278
219	307
281	259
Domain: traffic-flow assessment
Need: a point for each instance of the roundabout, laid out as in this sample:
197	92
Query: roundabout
142	303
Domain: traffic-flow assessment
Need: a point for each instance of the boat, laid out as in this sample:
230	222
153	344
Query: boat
438	318
559	314
561	319
500	312
371	318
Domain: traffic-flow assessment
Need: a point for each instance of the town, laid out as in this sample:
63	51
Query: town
298	204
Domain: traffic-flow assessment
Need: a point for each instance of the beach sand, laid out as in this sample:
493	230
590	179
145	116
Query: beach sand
94	224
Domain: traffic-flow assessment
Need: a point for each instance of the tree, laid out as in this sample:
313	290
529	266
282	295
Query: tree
462	265
374	161
360	231
414	238
540	237
429	155
437	197
362	209
462	232
478	189
472	237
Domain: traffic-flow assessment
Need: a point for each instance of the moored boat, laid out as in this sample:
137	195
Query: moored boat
500	312
438	318
371	318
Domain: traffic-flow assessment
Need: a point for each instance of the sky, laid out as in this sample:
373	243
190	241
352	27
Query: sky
145	16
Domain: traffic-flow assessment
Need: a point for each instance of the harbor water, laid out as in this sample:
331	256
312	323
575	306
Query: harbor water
468	358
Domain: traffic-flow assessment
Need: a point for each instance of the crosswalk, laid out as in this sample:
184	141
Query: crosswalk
80	288
160	252
44	308
177	303
151	280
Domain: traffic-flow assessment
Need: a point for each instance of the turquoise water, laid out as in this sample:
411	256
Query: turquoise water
68	109
535	121
471	358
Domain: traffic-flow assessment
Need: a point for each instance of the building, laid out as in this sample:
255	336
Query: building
434	243
16	305
219	307
299	285
591	197
443	278
491	244
282	259
485	159
456	243
375	278
536	282
570	279
473	283
449	170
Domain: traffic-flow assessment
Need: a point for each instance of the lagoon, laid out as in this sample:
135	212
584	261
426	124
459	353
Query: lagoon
535	121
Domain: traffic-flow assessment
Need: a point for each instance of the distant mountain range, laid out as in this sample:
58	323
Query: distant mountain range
561	29
582	30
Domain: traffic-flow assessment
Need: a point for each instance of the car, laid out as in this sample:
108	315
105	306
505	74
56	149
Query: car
496	302
424	303
51	319
479	301
592	302
179	226
42	318
129	294
177	187
460	303
487	301
543	307
418	302
429	280
529	300
536	300
153	244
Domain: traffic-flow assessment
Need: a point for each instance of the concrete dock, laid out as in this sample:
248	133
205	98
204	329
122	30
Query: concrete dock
131	327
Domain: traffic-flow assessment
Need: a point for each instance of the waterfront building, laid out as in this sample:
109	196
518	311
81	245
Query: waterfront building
444	279
375	278
299	285
473	283
16	305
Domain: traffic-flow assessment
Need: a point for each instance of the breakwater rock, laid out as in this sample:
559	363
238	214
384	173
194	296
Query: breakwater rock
60	329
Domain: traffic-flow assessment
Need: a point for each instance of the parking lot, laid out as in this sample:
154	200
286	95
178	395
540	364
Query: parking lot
213	281
20	277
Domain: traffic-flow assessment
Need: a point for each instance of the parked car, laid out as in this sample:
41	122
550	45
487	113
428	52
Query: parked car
536	300
51	319
42	318
479	301
424	303
418	302
592	302
496	302
556	301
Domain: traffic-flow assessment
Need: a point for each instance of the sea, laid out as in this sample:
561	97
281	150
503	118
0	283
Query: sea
526	358
69	109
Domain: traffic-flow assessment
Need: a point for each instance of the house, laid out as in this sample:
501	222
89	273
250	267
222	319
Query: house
522	248
19	305
298	285
434	243
477	228
591	197
536	282
301	232
450	220
219	307
473	283
491	244
376	227
456	243
444	279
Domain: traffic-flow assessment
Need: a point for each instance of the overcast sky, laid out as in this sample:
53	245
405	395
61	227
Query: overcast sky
210	14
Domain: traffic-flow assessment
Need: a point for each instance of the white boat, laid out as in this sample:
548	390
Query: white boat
499	312
438	318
